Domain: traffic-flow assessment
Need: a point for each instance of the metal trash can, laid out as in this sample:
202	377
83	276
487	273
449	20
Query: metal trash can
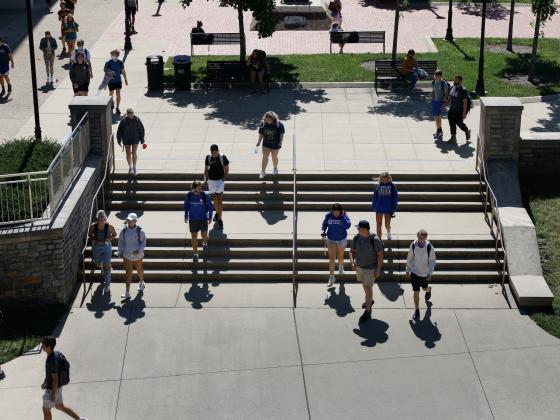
154	67
182	65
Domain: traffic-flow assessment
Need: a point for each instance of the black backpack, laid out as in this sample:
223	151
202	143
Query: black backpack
138	230
63	368
444	85
429	249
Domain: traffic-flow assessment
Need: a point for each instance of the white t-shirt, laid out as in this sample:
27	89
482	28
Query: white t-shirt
85	51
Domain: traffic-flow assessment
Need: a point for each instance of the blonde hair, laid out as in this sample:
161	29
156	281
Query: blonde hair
115	52
383	175
99	214
272	115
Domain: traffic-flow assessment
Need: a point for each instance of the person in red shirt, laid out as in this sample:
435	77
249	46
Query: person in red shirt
62	13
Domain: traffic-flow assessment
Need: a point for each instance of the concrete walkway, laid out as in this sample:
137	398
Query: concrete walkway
233	351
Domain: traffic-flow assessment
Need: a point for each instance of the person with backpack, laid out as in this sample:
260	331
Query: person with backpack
366	256
87	56
216	168
115	67
440	96
71	28
335	229
80	75
384	203
420	264
198	214
130	134
459	106
101	234
271	134
57	376
132	241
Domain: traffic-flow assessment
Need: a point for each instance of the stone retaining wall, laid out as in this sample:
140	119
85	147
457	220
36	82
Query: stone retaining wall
539	153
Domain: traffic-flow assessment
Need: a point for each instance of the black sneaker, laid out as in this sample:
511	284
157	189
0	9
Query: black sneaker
468	134
452	139
9	88
215	218
3	92
364	304
118	111
428	294
220	224
417	314
195	258
438	134
366	316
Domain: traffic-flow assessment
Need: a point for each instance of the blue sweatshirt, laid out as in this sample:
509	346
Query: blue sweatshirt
195	209
385	198
336	227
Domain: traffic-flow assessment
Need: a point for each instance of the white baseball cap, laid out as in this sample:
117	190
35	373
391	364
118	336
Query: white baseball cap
132	216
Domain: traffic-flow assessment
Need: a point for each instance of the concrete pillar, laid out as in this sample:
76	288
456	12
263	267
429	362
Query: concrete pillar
100	120
500	127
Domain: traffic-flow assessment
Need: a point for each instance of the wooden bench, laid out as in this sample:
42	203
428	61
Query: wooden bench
388	71
214	39
228	72
356	37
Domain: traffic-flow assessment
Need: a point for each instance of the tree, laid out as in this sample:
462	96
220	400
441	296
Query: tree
399	5
543	11
262	11
510	29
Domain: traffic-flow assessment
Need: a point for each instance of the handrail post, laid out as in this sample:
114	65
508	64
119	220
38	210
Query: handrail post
30	198
294	220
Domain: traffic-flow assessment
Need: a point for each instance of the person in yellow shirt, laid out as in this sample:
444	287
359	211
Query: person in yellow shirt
410	70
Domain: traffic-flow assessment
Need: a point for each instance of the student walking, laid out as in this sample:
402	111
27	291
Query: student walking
6	58
160	2
116	67
458	109
420	264
130	9
384	203
216	168
63	13
335	27
198	214
48	46
366	256
57	376
335	7
132	241
71	5
71	29
87	56
129	135
440	96
101	234
80	75
335	229
271	134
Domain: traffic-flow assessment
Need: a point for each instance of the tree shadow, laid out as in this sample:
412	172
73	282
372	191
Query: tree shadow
464	150
494	11
547	71
373	332
412	6
100	302
197	295
132	309
466	56
416	106
339	302
425	330
550	123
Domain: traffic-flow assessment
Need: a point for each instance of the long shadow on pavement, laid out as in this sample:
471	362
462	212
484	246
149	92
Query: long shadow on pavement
197	295
426	330
100	302
132	309
464	150
339	302
373	332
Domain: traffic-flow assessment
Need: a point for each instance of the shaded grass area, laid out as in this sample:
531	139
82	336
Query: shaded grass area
22	329
27	155
505	73
544	206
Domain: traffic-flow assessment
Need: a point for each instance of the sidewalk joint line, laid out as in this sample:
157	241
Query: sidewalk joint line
301	364
122	367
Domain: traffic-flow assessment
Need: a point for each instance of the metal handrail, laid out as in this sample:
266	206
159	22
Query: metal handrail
294	222
67	142
490	199
110	155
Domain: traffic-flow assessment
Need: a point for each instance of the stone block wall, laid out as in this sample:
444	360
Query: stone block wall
539	154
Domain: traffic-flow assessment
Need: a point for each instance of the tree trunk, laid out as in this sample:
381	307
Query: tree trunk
396	30
533	62
510	30
242	46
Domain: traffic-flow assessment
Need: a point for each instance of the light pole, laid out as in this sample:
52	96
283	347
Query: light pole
480	82
33	72
449	32
510	29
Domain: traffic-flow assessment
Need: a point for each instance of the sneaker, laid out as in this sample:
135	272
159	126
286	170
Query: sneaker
9	88
107	291
275	172
2	92
215	219
2	375
366	316
118	111
134	170
130	170
428	294
340	270
364	304
141	286
452	139
417	314
204	246
195	258
468	134
389	236
262	175
125	295
438	134
220	224
332	281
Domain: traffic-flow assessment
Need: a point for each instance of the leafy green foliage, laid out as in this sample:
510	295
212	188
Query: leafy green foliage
27	155
543	9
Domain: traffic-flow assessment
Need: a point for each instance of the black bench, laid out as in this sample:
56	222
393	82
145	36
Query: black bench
214	39
229	72
354	37
388	71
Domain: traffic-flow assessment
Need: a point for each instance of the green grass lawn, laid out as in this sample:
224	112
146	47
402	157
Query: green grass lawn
459	57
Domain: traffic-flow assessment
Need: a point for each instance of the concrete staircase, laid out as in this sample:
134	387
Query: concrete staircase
258	258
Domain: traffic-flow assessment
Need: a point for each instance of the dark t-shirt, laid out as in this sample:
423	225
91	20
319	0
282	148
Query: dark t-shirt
216	170
52	365
456	96
271	135
4	52
365	253
70	5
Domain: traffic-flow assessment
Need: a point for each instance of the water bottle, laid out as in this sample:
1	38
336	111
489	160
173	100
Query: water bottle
256	150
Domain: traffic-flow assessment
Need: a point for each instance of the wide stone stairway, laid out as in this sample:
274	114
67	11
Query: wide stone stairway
257	243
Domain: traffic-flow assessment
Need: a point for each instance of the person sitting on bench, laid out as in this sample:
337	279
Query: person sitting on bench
410	70
198	28
335	27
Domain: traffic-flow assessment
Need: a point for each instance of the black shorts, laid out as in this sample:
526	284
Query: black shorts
84	87
114	86
196	226
418	282
130	10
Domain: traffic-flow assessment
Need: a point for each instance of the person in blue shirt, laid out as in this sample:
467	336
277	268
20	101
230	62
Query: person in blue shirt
115	68
198	213
335	229
384	203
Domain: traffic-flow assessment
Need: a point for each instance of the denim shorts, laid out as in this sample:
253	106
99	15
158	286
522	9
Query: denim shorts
437	108
342	243
102	254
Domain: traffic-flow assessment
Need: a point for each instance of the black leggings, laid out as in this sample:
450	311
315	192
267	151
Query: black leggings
456	120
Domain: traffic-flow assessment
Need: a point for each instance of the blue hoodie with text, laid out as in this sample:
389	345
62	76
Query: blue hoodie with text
385	198
336	227
198	206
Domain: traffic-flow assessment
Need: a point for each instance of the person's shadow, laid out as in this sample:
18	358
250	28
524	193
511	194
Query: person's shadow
270	203
373	332
425	330
197	295
463	150
100	302
339	302
132	309
391	290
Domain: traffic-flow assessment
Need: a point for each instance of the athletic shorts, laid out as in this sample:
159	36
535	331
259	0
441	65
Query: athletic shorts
341	244
418	282
216	186
365	276
4	69
84	87
114	86
437	108
47	403
196	226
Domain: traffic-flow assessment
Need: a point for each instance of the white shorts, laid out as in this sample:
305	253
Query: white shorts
47	403
216	186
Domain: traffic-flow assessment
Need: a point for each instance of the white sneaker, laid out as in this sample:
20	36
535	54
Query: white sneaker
340	270
389	236
125	295
130	169
275	172
141	286
134	170
261	176
332	281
